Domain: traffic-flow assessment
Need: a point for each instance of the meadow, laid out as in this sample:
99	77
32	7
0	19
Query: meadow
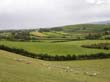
56	42
57	48
12	70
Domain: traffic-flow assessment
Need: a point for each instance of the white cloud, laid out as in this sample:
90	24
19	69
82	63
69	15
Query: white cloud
44	13
98	2
91	1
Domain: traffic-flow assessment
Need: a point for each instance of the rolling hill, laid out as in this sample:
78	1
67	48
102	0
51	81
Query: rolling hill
80	31
16	68
84	28
57	41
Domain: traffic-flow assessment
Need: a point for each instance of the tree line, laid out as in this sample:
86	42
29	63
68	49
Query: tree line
56	57
16	35
105	46
98	35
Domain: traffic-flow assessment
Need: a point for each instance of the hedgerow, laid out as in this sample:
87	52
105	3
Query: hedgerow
56	57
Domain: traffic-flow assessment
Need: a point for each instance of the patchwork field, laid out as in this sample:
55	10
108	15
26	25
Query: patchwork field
16	68
58	48
69	53
38	34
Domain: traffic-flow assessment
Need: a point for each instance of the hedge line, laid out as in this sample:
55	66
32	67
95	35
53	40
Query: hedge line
56	57
105	46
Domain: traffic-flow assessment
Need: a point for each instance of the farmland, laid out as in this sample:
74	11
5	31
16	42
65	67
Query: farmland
59	48
70	32
86	44
12	70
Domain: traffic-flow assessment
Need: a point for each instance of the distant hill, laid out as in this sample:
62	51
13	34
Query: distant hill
99	30
86	27
101	22
81	31
83	28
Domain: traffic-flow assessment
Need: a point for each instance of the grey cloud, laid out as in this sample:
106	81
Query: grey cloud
47	13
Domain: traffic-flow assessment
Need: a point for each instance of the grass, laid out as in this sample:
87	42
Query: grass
77	31
86	28
44	71
54	34
38	34
59	48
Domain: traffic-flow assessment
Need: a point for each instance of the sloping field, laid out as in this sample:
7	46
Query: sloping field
86	28
16	68
59	48
38	34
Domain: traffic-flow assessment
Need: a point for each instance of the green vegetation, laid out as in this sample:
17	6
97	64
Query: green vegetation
105	46
79	32
12	70
73	42
71	32
39	34
59	48
19	35
56	57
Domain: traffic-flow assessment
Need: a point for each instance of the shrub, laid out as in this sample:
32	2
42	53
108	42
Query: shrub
55	58
105	46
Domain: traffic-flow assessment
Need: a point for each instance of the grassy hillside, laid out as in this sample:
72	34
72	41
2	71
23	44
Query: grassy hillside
86	28
79	28
12	70
38	34
71	32
58	48
79	31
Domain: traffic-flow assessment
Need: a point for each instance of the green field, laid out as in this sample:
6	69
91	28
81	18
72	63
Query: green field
59	48
69	32
12	70
55	42
79	31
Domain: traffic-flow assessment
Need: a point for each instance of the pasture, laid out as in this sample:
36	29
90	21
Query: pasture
57	48
12	70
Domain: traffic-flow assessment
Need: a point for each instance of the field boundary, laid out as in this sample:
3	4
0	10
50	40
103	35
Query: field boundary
56	57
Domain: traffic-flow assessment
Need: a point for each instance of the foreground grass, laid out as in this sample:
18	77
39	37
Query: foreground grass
59	48
43	71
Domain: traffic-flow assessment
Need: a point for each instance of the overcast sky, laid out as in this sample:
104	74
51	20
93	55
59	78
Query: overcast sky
49	13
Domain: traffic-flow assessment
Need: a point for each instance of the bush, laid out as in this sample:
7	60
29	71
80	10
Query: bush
105	46
55	58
